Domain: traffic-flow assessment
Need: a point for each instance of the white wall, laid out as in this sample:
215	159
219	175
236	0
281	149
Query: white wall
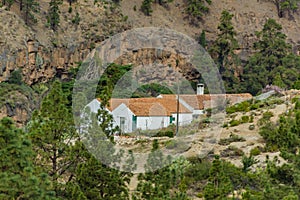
184	118
152	122
94	106
123	111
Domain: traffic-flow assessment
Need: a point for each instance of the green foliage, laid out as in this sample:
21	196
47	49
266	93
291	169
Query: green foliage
196	8
285	137
240	107
95	180
245	119
232	138
219	184
234	122
222	52
296	84
51	130
53	14
272	61
202	39
76	19
161	181
146	7
285	5
265	118
109	79
251	127
165	132
151	90
232	151
16	77
255	151
19	178
30	7
248	162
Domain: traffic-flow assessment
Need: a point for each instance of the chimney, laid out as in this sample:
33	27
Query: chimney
200	89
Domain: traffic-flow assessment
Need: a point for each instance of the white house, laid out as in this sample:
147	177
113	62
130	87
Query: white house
160	112
149	114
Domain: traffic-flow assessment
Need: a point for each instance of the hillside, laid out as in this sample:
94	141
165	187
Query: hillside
53	146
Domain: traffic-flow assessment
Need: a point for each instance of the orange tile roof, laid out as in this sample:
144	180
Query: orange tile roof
201	102
149	106
167	105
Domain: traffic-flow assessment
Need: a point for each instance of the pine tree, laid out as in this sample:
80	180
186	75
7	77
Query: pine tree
29	7
52	131
202	39
53	14
223	52
219	185
285	5
146	7
19	177
273	55
196	8
94	180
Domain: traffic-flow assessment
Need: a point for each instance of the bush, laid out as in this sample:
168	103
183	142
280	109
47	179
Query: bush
232	151
16	77
240	107
232	138
76	19
251	127
234	122
265	118
178	145
166	132
255	151
245	119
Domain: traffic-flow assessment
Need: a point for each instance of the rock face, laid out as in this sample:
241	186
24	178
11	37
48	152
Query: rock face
40	64
152	65
43	54
18	104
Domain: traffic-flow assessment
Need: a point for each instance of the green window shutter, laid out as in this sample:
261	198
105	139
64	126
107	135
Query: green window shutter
172	119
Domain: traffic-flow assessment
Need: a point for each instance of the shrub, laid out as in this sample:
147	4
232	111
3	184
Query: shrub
232	138
76	19
234	122
240	107
245	119
265	118
255	151
232	151
251	119
251	127
177	145
16	77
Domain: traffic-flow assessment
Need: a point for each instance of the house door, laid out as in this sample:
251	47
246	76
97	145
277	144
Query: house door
122	124
134	119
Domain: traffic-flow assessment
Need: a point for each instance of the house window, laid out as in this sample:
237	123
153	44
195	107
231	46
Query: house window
122	124
172	119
